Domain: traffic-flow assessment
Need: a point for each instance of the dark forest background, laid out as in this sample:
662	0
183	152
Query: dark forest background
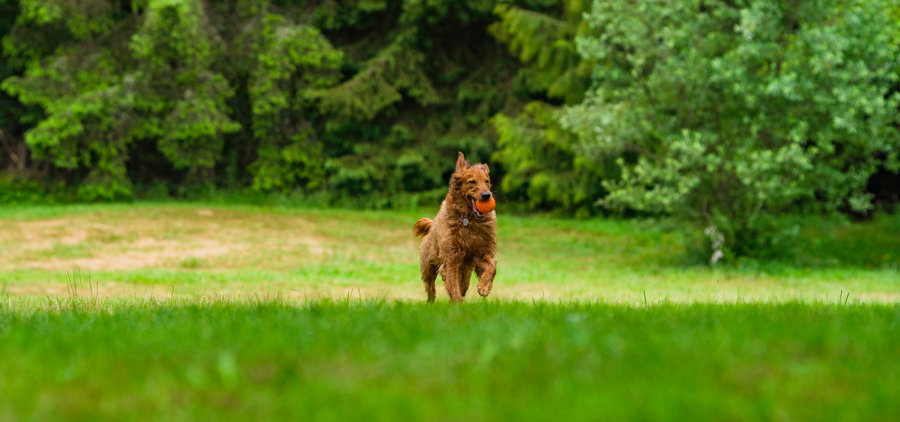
724	114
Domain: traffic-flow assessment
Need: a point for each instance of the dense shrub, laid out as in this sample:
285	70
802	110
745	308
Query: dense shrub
729	114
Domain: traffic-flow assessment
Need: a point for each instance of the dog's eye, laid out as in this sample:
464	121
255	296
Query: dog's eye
471	182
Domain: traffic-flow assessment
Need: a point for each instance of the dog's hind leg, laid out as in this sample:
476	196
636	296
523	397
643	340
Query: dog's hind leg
486	269
429	273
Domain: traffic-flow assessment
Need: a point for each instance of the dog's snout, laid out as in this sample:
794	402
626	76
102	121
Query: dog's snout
485	195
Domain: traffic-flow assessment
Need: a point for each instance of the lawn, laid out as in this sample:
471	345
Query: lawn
376	360
199	312
190	250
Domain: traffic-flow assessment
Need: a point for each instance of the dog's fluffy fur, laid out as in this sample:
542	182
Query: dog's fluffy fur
451	247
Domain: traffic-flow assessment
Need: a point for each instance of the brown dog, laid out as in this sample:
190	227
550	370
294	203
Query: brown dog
460	238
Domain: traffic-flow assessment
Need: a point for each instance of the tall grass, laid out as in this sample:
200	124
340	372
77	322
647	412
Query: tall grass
375	360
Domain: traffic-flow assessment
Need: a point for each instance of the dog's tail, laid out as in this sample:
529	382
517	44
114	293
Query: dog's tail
422	227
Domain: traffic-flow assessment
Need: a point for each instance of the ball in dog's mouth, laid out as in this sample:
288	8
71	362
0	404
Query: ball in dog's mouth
474	209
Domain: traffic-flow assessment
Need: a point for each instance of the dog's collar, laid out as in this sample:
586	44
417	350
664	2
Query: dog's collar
469	219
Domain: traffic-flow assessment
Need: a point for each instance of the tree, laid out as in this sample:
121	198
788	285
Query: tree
13	150
103	85
727	114
179	99
548	167
351	100
292	62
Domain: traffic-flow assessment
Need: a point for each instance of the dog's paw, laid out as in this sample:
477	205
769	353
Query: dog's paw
484	290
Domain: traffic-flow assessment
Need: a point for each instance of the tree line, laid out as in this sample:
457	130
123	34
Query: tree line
726	114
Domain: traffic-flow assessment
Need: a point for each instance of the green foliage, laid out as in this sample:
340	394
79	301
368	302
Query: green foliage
175	48
82	130
547	43
18	190
547	165
355	98
380	82
337	15
777	104
292	61
13	150
154	84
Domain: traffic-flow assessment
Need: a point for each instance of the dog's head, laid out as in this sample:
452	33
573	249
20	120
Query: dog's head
470	183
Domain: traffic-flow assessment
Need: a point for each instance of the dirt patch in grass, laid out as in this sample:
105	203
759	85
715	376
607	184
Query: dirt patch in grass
144	253
104	290
163	238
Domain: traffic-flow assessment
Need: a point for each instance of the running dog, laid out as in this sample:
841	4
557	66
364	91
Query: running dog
460	239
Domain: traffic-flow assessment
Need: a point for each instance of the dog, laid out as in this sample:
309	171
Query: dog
460	239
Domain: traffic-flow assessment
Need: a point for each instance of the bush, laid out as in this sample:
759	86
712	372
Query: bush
17	189
728	115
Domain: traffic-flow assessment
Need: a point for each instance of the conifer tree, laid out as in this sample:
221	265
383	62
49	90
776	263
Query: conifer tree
292	62
546	164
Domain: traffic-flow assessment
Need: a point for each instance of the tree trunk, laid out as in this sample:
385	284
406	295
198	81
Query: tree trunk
16	150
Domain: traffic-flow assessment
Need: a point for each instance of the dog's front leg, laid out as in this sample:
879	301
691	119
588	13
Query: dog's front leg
450	273
486	269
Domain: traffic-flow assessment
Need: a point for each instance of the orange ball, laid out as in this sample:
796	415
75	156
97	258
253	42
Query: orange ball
485	207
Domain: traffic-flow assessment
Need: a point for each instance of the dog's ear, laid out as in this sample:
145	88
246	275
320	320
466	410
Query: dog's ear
456	179
461	163
486	168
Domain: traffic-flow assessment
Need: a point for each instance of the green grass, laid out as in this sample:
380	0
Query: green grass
350	360
197	311
150	249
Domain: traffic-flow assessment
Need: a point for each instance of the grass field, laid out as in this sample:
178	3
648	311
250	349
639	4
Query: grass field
411	361
187	312
190	250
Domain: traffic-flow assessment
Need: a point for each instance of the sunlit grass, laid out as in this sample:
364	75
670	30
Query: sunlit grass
149	250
